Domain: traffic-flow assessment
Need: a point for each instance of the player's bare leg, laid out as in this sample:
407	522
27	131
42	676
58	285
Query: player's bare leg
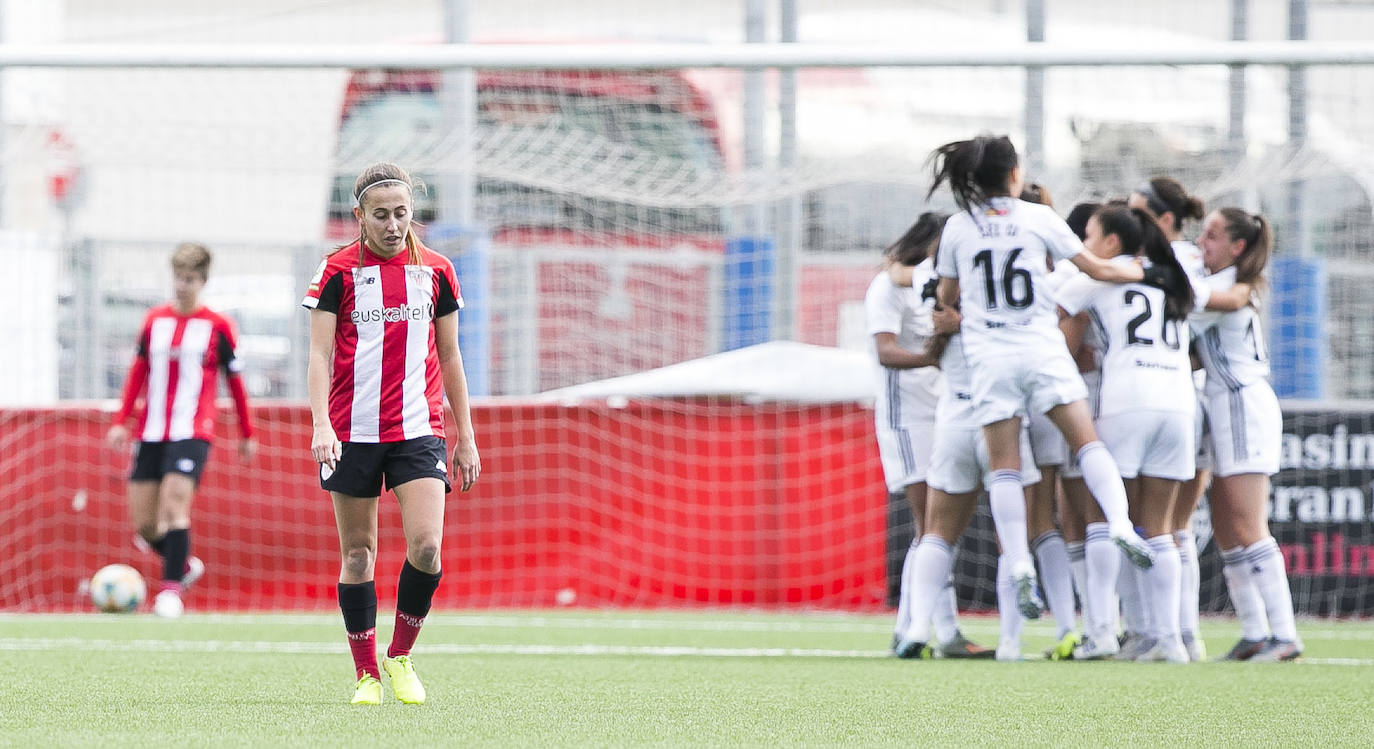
1156	500
1051	553
915	495
1190	575
1007	499
932	561
1103	478
1256	574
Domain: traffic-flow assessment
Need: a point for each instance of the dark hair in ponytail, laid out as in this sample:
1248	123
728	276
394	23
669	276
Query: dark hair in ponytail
1258	236
1167	195
1140	233
914	246
976	170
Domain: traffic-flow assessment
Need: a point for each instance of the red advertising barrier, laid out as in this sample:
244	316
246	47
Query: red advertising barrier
657	503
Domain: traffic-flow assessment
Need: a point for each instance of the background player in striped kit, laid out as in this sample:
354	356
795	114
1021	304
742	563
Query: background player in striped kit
383	352
181	351
908	387
1246	431
1146	416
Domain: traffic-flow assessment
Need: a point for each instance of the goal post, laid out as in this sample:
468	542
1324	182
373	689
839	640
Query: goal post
623	231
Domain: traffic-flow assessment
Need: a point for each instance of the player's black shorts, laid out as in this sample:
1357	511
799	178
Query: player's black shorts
363	465
153	460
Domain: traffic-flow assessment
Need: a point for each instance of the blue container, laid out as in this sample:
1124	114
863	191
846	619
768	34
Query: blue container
1298	344
470	250
748	292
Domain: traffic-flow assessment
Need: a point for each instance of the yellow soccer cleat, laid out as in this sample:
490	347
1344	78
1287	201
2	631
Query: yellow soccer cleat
368	691
1063	650
404	682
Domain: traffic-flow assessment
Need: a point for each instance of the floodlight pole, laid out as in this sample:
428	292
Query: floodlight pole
458	103
790	207
1035	95
1298	224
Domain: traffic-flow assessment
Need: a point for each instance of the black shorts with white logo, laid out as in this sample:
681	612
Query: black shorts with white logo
361	468
153	460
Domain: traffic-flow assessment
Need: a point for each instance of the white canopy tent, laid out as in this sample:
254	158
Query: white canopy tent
773	371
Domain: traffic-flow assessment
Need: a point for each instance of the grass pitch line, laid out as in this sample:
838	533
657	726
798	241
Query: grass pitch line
38	644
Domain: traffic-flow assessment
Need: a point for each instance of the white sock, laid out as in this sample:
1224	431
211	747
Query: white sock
1078	569
931	563
1128	589
1245	596
1189	582
1103	563
1008	502
904	597
1163	579
945	619
1007	608
1267	569
1103	478
1053	559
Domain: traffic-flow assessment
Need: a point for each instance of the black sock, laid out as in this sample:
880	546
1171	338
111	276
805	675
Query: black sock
415	591
176	546
158	545
358	601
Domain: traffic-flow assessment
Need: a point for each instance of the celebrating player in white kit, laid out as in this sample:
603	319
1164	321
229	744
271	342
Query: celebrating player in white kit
1146	411
1246	432
899	324
992	263
1172	205
959	469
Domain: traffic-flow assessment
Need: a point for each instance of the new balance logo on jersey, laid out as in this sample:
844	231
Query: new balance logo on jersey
392	314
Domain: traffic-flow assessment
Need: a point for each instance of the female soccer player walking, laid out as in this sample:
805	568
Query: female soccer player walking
382	322
992	264
1146	410
181	351
1246	432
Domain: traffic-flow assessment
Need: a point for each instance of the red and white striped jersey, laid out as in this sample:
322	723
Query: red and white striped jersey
179	358
386	385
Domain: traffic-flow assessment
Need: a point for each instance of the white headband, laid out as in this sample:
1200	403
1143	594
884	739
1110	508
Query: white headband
382	183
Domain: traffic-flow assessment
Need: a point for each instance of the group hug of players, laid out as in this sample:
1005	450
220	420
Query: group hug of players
1095	375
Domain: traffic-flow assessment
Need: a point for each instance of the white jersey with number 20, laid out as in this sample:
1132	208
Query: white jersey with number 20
1145	364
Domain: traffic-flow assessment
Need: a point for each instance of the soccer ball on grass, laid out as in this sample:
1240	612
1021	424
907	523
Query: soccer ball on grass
118	588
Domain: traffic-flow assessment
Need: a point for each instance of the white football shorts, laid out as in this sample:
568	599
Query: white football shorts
1019	383
1158	444
1247	430
1047	443
959	464
905	453
1093	382
1202	435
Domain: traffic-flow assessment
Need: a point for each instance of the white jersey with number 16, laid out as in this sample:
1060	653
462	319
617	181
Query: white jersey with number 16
999	254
